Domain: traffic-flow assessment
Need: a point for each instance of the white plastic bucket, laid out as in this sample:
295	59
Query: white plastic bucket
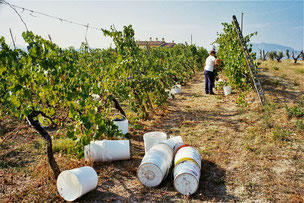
227	90
72	184
177	89
96	97
185	153
174	142
122	125
155	165
93	152
186	177
153	138
170	93
107	150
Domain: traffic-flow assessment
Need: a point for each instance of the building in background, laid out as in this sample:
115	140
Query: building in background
156	43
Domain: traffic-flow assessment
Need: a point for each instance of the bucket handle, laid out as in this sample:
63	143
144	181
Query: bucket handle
121	115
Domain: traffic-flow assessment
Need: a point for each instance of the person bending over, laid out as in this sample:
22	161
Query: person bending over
208	72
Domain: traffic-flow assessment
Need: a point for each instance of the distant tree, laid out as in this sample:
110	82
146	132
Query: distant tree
260	54
264	55
201	55
287	54
278	56
295	59
271	55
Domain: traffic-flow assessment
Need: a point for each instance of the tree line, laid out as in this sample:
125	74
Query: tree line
274	55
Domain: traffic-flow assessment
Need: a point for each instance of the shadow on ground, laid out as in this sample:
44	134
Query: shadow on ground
212	184
280	88
99	196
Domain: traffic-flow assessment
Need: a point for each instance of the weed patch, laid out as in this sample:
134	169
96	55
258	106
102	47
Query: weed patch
296	111
279	134
63	145
296	83
299	70
300	124
276	68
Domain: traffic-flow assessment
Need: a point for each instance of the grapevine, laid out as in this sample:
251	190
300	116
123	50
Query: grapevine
234	60
59	84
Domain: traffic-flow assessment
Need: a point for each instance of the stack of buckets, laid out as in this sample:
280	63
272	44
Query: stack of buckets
156	164
187	169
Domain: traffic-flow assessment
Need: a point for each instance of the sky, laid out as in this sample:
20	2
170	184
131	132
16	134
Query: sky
277	22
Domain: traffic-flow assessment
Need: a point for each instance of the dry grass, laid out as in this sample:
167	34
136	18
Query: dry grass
249	153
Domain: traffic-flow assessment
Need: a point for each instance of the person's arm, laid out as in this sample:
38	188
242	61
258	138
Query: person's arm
214	61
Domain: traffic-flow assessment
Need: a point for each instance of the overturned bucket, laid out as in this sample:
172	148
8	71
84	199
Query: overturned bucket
153	138
174	142
186	177
122	124
107	150
72	184
170	93
177	89
187	152
187	169
155	165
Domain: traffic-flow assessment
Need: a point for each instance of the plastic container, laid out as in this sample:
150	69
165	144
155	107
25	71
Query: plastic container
170	93
177	89
186	177
107	150
153	138
96	97
174	142
72	184
189	153
122	124
227	90
155	165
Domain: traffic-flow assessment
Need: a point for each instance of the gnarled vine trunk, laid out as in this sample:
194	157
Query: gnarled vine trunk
45	135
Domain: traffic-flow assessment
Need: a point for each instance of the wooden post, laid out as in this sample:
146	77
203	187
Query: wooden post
12	38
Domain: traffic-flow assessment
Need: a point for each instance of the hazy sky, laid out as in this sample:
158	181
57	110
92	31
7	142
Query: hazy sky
279	22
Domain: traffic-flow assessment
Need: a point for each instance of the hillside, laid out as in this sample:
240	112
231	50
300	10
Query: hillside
271	47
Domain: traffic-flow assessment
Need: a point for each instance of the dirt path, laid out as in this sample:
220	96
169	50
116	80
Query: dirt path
244	157
201	120
206	122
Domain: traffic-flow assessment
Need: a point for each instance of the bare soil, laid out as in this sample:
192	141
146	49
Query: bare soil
249	153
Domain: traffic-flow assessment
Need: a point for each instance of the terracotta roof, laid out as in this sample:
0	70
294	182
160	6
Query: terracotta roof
169	44
155	43
151	43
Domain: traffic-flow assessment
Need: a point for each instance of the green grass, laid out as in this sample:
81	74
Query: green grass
276	68
63	145
280	134
296	111
299	70
296	83
300	124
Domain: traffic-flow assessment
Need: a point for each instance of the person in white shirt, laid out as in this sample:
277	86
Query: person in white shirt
208	72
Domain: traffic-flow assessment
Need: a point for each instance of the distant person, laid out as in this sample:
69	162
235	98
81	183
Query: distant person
208	72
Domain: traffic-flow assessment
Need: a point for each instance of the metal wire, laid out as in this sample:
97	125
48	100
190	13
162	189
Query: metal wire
47	15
